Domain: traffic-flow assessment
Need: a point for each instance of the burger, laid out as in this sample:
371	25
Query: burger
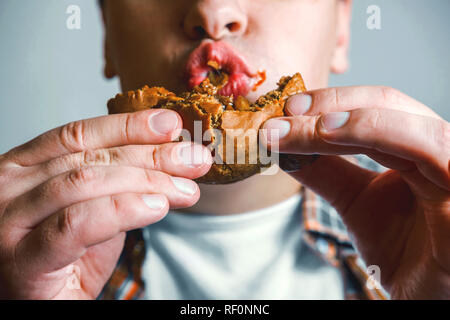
229	126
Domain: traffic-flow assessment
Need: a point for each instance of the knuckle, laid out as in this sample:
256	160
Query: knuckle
58	165
114	156
54	188
156	177
81	177
373	121
335	96
65	226
312	133
389	94
49	168
366	122
115	204
127	126
72	136
150	176
154	158
98	157
116	208
60	227
48	234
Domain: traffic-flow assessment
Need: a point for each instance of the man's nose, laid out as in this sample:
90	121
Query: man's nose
215	19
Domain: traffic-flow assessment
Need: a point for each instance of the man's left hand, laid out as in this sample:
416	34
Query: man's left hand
400	219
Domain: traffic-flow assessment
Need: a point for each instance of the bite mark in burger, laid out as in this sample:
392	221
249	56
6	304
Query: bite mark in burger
226	115
225	68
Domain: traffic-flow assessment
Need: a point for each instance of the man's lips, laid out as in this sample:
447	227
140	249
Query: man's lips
240	76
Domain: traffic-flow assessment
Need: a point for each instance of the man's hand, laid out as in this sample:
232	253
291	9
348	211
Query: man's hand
400	219
68	197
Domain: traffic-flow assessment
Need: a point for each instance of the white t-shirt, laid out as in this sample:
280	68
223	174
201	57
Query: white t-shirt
255	255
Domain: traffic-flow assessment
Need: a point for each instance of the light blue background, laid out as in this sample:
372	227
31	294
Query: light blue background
50	75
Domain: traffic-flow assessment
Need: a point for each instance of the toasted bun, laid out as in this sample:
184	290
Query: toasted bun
218	112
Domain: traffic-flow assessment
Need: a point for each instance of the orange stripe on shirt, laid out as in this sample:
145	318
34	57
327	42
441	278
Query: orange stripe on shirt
132	291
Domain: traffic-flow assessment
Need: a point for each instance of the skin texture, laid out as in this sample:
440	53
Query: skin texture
57	189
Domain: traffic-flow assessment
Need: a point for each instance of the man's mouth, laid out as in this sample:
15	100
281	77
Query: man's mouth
218	61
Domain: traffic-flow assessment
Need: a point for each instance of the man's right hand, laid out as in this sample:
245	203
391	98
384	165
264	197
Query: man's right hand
68	197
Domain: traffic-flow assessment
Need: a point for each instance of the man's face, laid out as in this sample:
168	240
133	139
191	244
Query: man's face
150	41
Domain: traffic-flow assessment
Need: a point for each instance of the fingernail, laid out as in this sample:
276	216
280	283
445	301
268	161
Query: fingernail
154	201
277	129
184	185
334	120
193	155
163	122
299	104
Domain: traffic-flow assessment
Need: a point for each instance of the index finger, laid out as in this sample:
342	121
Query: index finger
145	127
349	98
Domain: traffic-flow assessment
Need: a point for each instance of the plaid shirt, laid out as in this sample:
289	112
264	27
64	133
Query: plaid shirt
324	232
